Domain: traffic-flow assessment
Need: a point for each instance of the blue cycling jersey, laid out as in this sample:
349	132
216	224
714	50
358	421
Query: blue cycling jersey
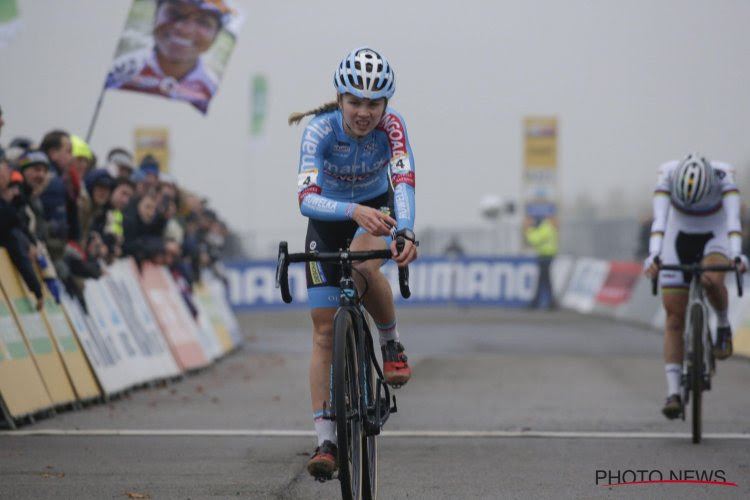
337	171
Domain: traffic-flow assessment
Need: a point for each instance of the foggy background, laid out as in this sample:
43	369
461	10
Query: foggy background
632	84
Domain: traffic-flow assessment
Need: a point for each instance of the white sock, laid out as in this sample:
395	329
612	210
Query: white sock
387	332
674	373
722	318
325	429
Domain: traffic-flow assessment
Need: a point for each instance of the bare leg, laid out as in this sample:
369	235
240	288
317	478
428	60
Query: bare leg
716	290
322	353
675	303
379	297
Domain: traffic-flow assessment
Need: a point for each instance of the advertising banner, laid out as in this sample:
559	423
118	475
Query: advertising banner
178	49
38	338
619	283
258	106
109	365
585	284
123	282
179	328
492	281
21	385
70	350
153	141
540	166
110	324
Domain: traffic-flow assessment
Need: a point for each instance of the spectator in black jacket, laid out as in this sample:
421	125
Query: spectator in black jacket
13	236
143	228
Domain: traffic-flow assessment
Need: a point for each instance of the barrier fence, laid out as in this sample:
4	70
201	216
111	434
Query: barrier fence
612	288
138	329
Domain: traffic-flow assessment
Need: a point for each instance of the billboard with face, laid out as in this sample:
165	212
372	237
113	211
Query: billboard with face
176	49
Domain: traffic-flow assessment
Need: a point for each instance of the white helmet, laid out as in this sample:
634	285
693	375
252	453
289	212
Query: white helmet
365	74
692	179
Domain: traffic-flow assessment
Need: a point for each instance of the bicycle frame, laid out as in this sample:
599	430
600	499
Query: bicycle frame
696	298
697	371
367	415
349	303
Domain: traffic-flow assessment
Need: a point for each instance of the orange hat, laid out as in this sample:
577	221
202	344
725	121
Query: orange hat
15	178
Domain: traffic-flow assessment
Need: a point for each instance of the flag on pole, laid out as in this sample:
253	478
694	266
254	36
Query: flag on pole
10	22
176	49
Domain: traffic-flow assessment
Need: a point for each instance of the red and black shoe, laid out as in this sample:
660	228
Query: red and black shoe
322	464
396	368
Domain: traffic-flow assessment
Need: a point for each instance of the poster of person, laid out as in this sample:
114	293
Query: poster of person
177	49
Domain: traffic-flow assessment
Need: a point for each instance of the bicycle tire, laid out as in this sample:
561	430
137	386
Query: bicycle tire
346	404
369	443
696	370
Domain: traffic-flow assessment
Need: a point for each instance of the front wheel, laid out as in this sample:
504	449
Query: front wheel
346	405
369	442
696	368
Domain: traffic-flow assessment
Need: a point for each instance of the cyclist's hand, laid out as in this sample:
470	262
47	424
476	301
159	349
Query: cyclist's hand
373	221
741	261
406	256
650	268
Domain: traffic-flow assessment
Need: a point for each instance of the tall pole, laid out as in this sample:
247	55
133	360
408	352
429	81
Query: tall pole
96	115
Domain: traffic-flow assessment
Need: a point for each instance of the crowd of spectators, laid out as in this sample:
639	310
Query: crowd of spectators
68	214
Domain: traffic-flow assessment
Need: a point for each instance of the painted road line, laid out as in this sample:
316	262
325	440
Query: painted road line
385	434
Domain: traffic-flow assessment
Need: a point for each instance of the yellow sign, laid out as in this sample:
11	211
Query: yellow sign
540	142
154	142
34	330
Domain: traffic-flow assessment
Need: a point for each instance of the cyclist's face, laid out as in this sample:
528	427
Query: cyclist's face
361	116
182	31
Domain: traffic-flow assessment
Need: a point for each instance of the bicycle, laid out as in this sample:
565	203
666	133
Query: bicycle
698	362
359	411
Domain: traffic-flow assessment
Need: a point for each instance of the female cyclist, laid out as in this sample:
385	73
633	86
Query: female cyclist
356	165
696	219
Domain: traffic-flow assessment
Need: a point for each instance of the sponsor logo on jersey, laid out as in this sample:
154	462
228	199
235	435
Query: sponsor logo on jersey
314	133
316	273
401	201
313	245
396	136
321	204
407	178
309	190
356	172
341	149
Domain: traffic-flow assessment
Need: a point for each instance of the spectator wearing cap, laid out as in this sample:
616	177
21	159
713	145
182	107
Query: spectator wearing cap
14	237
60	196
34	167
120	163
150	168
17	147
93	209
83	158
